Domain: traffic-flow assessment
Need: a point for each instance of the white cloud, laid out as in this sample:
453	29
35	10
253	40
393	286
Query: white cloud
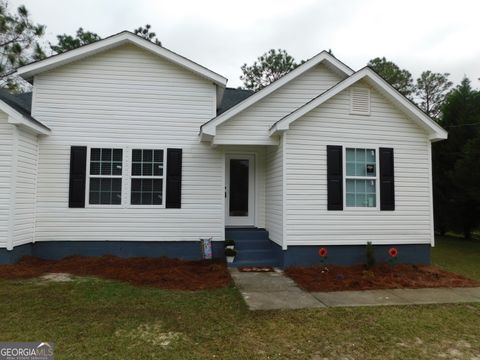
222	35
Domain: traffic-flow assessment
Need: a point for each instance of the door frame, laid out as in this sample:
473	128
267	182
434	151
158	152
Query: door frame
250	220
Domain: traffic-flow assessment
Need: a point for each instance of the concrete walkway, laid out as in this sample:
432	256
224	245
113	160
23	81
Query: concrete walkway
274	290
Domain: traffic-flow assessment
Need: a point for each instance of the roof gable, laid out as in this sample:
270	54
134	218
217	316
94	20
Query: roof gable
209	129
125	37
435	131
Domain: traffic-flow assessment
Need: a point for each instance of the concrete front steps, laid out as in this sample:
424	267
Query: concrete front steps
254	248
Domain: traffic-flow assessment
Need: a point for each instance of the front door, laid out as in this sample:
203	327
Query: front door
239	190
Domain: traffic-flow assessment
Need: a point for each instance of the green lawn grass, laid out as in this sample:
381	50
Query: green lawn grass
97	319
458	255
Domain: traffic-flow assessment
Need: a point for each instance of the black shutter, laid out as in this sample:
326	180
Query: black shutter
387	183
174	178
334	177
78	168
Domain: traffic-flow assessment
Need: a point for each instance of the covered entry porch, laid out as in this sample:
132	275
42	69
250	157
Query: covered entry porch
253	203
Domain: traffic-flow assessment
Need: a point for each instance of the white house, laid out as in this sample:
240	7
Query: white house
128	148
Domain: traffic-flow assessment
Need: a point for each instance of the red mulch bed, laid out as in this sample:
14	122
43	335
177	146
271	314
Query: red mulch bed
382	276
161	272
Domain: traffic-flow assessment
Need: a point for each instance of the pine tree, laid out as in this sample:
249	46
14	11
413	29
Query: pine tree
19	44
268	68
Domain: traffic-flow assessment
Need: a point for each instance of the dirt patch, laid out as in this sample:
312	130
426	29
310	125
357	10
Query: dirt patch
151	333
162	272
57	277
383	276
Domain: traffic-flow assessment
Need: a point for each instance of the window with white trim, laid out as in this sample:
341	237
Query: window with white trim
147	177
361	177
105	176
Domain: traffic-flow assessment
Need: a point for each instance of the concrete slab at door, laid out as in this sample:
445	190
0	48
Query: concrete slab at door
268	281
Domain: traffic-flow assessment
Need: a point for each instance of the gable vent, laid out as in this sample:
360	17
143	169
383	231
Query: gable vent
360	101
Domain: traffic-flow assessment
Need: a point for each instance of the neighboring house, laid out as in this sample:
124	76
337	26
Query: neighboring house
130	149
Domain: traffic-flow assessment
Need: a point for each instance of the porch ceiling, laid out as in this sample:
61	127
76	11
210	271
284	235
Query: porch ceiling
271	141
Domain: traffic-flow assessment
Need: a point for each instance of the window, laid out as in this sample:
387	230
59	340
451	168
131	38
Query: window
105	176
147	178
361	177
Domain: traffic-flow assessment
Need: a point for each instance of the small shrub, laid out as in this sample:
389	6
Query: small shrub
229	243
370	255
230	252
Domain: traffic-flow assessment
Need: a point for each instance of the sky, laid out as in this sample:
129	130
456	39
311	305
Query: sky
442	36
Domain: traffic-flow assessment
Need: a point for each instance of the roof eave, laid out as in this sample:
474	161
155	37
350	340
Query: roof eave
207	133
205	137
26	123
434	137
16	118
435	132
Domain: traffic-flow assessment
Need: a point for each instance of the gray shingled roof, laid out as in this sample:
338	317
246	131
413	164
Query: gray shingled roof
25	99
21	103
232	97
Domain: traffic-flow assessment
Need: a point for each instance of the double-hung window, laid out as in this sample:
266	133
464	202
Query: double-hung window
105	176
147	177
361	177
125	177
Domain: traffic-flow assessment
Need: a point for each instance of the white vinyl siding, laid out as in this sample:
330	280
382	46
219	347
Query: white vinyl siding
127	97
274	194
309	222
252	125
6	134
18	168
25	190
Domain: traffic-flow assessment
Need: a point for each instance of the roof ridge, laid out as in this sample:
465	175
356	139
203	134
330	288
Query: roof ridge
292	74
31	69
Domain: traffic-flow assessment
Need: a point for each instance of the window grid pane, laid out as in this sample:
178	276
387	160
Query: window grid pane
147	192
147	177
105	191
361	193
147	162
106	161
105	186
361	163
